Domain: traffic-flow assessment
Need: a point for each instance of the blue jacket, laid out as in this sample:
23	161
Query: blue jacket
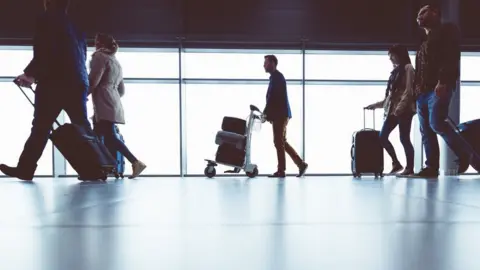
59	52
278	106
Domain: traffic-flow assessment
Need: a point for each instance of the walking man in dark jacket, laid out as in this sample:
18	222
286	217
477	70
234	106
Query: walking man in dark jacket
437	72
59	69
277	111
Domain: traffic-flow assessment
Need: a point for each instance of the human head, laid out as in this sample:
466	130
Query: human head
104	41
399	55
56	4
270	63
429	16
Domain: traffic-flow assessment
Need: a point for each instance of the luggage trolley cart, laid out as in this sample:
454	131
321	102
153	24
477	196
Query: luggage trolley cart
234	145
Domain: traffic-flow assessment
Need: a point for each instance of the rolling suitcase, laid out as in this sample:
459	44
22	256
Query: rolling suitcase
468	155
235	125
237	140
367	151
230	155
81	148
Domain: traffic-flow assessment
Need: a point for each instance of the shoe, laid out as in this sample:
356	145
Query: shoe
396	167
426	173
277	175
26	175
406	173
137	169
302	169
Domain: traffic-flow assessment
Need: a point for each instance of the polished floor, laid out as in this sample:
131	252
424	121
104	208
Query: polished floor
317	223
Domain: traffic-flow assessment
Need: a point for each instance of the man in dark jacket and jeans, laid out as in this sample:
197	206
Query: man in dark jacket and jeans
59	69
277	111
437	72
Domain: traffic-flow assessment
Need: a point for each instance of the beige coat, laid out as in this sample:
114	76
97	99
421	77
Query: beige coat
106	87
403	99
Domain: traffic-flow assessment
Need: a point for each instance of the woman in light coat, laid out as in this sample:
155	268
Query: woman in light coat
106	88
399	107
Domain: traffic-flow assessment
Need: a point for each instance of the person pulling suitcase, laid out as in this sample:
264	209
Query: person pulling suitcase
59	69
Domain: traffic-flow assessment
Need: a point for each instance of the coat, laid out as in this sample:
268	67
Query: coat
402	100
278	106
106	87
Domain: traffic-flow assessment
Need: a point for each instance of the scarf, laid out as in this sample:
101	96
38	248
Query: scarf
105	50
395	79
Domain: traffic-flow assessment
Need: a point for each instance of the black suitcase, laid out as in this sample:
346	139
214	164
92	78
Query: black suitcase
87	155
235	125
367	151
229	155
469	133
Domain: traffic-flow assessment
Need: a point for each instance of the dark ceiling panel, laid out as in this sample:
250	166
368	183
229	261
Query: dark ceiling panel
140	20
470	21
319	21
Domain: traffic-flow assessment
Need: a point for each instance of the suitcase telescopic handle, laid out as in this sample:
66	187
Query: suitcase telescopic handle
29	100
364	118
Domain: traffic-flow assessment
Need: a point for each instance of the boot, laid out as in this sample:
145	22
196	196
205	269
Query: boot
22	173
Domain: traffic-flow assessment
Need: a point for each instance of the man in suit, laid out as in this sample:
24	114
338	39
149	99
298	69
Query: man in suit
59	69
436	75
277	111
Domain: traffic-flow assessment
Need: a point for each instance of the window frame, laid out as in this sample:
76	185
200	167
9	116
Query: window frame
181	81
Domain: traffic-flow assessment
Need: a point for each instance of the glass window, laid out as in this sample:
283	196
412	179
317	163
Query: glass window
16	115
17	60
207	104
469	97
152	127
469	67
325	65
469	109
239	65
333	114
149	64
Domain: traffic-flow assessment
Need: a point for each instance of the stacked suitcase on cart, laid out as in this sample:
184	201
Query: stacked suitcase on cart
231	141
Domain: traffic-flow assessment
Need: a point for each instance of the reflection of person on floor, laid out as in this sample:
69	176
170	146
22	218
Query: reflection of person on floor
277	111
399	107
106	88
59	69
437	72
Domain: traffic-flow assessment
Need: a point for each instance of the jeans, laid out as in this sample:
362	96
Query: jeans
49	102
432	113
106	129
282	146
404	123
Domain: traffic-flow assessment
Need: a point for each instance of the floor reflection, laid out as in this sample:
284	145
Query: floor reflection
229	223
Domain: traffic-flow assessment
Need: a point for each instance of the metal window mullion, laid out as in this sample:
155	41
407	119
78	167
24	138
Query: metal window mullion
182	109
303	102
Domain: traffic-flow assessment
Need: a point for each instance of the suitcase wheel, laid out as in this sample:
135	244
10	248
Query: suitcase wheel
210	171
379	175
122	176
357	175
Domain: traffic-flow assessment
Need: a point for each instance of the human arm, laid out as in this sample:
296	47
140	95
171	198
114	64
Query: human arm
408	92
376	105
275	95
121	89
43	49
97	68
